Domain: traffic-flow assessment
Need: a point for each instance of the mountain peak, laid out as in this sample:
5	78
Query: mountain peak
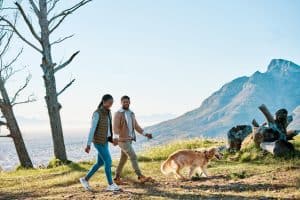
281	65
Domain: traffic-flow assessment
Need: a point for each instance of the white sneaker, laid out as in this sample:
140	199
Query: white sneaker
113	188
85	184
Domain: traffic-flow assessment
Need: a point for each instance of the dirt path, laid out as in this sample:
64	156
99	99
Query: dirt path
272	184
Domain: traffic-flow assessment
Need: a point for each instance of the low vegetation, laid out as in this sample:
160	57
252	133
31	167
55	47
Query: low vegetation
250	174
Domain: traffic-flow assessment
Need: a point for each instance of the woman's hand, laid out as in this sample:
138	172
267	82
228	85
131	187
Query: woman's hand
87	149
115	142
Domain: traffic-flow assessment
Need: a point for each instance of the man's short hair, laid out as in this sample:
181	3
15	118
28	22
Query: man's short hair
125	97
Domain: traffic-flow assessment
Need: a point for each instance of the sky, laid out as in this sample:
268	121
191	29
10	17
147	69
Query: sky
168	56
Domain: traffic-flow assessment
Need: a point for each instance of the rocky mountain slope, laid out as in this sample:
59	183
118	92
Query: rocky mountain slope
236	103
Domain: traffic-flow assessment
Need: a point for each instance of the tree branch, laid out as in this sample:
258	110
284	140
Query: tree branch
35	8
52	6
4	67
62	39
19	34
29	100
28	23
66	87
1	136
255	123
13	100
62	15
6	46
269	117
63	65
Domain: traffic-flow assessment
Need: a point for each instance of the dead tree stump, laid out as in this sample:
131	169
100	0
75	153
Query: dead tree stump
236	135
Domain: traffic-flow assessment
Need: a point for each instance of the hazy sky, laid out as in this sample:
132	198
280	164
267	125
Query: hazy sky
167	55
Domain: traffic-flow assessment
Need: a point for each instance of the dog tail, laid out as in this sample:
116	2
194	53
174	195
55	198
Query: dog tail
165	167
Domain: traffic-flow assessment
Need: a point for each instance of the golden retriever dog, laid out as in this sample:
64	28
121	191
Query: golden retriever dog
192	159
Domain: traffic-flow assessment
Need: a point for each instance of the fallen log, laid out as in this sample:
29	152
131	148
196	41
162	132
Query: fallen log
269	117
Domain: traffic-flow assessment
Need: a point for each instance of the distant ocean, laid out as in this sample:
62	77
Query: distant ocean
41	151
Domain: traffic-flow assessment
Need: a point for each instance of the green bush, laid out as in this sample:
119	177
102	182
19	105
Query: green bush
245	157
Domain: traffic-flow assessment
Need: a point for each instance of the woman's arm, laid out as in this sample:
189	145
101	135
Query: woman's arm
93	128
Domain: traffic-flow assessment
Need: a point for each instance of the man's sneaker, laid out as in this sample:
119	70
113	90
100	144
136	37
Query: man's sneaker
144	179
119	181
85	184
113	188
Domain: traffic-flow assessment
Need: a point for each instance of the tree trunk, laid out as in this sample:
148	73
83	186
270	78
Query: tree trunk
50	85
14	129
54	116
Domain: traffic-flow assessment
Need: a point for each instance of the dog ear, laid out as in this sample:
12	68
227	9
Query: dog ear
210	152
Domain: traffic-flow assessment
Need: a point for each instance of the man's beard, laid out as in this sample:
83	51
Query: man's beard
125	107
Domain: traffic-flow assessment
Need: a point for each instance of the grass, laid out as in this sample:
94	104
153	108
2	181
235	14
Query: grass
250	174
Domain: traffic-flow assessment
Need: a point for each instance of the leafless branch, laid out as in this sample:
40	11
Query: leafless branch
2	123
6	46
29	100
4	67
34	7
62	39
66	87
5	135
66	63
8	8
19	34
13	100
51	8
9	72
269	117
62	15
28	23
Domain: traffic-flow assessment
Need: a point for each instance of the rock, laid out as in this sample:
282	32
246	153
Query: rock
236	135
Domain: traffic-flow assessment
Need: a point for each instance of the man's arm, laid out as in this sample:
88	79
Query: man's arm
141	131
117	125
137	127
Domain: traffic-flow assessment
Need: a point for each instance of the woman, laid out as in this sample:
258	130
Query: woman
100	134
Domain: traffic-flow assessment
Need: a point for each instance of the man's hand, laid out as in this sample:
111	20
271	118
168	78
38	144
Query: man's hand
87	149
148	135
115	141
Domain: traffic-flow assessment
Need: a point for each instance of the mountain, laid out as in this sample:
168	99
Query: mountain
296	122
236	103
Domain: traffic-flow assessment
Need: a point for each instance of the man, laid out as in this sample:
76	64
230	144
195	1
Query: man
125	125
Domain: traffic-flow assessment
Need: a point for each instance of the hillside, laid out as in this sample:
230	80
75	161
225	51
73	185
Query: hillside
236	103
296	123
265	178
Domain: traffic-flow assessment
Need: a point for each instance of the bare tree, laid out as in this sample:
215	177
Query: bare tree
7	103
48	23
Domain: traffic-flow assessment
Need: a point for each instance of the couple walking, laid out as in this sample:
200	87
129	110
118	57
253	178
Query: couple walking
122	133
